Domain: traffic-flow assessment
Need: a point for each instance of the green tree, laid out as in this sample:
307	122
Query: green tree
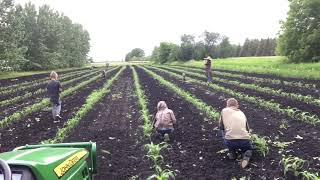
135	54
300	36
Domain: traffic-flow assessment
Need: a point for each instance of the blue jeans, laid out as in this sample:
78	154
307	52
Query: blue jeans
163	131
209	76
235	144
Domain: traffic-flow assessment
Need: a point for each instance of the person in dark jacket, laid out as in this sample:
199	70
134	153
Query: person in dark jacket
54	89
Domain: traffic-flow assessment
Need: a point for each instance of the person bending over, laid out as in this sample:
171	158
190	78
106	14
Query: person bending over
54	89
164	120
235	130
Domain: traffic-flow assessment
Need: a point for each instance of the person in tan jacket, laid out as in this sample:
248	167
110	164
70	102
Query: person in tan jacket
235	129
164	120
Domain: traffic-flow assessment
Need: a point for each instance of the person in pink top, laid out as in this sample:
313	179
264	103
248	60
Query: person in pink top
164	120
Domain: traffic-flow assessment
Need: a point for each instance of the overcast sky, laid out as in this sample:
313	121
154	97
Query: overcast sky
118	26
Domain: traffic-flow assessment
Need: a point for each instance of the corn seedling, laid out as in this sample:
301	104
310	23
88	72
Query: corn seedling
153	151
282	145
310	176
260	144
162	174
293	164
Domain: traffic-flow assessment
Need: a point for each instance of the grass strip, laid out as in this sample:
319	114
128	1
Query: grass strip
293	113
91	100
44	103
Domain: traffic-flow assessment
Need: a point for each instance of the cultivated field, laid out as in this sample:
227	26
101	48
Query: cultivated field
116	112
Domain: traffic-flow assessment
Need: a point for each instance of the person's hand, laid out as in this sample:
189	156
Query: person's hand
175	126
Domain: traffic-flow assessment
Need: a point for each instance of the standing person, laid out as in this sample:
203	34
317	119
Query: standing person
207	68
235	129
164	120
104	74
54	89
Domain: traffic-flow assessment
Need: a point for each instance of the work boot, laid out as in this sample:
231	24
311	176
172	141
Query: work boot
246	158
232	155
58	117
166	137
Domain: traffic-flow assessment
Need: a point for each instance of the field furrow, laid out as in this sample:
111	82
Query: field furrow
266	123
310	115
41	123
292	86
114	124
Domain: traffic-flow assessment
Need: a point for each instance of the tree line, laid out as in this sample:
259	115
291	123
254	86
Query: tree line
211	44
299	39
39	38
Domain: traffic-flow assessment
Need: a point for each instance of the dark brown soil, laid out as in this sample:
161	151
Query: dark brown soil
39	125
284	102
266	123
114	125
315	92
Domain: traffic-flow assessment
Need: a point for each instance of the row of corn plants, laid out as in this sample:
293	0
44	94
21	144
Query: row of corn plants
91	100
259	143
293	113
256	79
299	97
296	166
44	103
21	87
39	80
153	150
16	99
261	146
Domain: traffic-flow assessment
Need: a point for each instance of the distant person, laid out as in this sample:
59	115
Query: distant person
207	68
104	74
164	121
54	89
235	131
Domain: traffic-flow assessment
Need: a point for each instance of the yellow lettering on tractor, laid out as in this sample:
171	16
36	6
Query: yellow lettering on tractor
62	168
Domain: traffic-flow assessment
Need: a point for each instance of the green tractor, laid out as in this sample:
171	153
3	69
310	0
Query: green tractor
72	161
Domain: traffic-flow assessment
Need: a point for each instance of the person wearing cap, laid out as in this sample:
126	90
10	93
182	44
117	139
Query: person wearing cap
207	68
235	131
164	120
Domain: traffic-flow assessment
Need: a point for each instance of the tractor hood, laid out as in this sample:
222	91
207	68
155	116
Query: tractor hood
47	161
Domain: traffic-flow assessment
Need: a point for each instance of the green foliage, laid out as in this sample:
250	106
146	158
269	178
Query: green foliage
260	144
293	164
147	125
40	39
300	39
310	176
162	174
153	152
135	54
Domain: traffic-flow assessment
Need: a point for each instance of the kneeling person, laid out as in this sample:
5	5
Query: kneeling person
235	129
164	120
